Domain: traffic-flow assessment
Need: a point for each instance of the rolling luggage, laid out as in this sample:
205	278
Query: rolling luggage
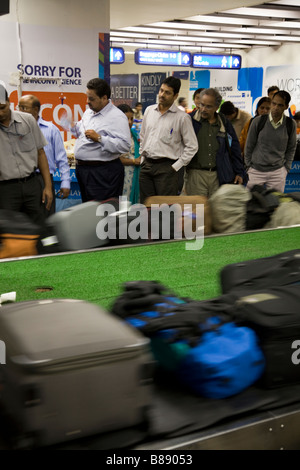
19	236
278	270
273	313
188	218
76	227
72	370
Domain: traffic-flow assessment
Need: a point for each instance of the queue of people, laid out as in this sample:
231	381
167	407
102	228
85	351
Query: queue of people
171	150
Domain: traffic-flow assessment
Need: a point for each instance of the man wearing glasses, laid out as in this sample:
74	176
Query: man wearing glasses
55	150
21	153
218	160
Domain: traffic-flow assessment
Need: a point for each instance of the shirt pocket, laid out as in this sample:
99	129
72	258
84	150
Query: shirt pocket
168	136
27	142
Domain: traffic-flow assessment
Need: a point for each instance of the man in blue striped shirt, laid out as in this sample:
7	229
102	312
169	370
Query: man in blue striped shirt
55	150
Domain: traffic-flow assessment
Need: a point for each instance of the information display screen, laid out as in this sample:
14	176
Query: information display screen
161	57
210	61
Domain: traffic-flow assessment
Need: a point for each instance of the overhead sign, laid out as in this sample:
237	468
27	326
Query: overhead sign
117	55
210	61
161	57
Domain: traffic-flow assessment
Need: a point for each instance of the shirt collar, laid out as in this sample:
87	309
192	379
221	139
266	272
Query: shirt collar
173	108
278	123
15	116
104	110
42	122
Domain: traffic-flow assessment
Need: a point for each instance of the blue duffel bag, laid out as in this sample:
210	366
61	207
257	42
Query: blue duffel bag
197	342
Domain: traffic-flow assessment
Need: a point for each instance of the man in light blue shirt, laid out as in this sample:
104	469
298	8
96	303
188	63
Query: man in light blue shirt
54	150
102	136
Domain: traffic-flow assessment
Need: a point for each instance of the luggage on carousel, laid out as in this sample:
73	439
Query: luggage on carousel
72	370
187	217
273	313
278	270
19	236
76	227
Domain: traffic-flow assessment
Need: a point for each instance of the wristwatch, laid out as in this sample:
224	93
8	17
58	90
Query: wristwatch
99	138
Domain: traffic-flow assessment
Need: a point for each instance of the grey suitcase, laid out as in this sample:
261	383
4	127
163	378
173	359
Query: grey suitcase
76	227
72	370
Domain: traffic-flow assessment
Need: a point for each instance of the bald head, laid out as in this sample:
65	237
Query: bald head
30	104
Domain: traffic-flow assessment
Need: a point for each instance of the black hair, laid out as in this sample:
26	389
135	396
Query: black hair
100	87
284	95
273	88
264	99
297	116
125	108
228	108
173	82
197	92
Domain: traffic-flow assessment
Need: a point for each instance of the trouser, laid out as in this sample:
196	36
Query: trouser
272	179
158	178
52	208
99	181
24	196
201	182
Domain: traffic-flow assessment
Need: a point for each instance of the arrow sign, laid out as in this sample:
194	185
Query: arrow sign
117	55
214	61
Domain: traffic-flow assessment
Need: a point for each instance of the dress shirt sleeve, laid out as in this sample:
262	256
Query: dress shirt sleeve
60	158
190	142
117	138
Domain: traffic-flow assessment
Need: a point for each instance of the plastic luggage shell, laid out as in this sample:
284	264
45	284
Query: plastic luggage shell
72	370
75	227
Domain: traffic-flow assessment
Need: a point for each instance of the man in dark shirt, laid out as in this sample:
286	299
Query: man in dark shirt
218	160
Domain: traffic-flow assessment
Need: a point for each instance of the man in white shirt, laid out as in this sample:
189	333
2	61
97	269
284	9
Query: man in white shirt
103	135
167	144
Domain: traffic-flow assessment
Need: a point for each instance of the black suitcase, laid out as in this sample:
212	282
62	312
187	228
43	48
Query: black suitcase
274	314
279	270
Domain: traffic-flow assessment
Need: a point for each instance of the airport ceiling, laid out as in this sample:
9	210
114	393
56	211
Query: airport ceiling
203	26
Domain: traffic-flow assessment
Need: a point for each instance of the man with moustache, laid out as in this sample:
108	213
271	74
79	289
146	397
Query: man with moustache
102	135
269	153
21	153
55	150
167	144
218	160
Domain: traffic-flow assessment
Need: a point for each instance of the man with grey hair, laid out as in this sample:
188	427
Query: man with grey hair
54	150
218	160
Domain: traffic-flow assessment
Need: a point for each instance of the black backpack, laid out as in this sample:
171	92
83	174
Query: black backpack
263	120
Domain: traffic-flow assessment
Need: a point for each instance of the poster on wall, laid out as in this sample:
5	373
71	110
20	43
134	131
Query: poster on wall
51	69
226	82
286	77
150	85
125	89
241	100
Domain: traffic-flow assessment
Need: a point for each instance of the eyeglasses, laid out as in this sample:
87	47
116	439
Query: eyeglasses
206	106
23	108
